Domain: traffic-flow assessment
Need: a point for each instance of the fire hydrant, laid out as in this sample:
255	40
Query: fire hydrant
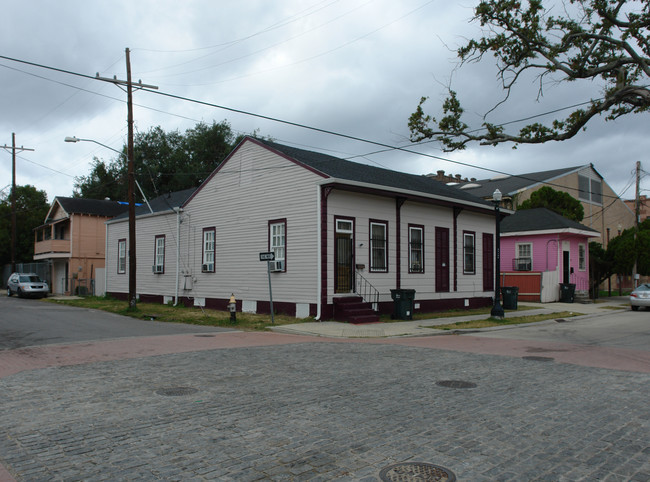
232	306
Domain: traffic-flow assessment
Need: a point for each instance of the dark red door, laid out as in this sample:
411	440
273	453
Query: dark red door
442	259
488	262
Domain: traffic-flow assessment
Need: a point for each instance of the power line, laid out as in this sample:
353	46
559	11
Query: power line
387	147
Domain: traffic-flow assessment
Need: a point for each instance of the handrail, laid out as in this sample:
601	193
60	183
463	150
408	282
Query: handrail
368	292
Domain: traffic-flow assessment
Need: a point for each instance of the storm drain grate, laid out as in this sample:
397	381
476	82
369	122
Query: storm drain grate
416	471
455	384
538	358
176	391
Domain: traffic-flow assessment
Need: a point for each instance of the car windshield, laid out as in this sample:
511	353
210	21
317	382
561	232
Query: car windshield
30	279
643	287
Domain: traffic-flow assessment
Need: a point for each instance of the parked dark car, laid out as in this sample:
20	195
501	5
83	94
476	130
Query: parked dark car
640	297
27	285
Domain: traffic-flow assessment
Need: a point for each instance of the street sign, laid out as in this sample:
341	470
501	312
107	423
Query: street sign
267	256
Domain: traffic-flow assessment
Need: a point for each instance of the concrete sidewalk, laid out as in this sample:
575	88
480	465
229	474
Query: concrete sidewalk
335	329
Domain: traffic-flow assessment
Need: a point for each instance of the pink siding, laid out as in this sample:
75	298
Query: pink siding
547	255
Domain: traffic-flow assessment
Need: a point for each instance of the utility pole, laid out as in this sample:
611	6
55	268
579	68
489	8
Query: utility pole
13	195
637	215
130	170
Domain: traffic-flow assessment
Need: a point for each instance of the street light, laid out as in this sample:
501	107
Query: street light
132	259
497	309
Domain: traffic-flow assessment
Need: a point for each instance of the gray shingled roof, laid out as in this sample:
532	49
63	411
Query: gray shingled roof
165	202
511	184
352	171
539	219
97	207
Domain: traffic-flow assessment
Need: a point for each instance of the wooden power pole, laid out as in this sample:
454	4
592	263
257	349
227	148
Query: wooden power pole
131	171
13	195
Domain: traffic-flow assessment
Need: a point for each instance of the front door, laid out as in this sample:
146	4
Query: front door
442	259
566	267
344	256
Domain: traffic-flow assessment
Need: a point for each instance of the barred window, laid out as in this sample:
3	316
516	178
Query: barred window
416	249
378	250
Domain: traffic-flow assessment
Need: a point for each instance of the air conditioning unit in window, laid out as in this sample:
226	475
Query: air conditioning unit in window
277	266
157	268
207	268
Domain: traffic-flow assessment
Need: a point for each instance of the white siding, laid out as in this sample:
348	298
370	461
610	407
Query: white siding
364	207
252	188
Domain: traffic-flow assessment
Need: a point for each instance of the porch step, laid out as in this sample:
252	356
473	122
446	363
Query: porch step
582	297
353	309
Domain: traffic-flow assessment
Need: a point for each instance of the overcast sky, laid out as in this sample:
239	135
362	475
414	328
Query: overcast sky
355	67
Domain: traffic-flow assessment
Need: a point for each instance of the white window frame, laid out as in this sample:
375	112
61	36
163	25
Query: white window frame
209	250
582	257
530	252
379	247
121	256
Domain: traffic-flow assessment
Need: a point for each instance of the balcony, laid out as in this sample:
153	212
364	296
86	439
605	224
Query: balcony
58	247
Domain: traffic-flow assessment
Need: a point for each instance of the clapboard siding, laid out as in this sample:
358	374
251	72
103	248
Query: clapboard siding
252	188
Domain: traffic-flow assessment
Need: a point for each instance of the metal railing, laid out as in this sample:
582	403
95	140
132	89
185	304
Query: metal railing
368	292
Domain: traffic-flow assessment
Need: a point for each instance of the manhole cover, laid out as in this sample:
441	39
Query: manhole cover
176	391
204	336
538	358
416	471
455	384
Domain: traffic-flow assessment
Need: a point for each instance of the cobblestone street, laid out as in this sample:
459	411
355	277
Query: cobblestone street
324	411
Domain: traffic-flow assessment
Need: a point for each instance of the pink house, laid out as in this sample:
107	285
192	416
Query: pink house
541	250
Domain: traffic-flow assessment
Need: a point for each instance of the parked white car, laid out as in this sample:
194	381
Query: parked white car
640	297
27	285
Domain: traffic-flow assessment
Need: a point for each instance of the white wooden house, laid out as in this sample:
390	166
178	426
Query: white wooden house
338	229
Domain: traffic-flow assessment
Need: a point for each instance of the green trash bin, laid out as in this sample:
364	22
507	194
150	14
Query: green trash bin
567	292
402	304
509	295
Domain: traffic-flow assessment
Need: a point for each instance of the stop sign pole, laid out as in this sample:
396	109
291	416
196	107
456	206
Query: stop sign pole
268	257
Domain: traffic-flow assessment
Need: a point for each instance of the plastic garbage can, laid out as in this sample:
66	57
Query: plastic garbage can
567	292
509	295
402	304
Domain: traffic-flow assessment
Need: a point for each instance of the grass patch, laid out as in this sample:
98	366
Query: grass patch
181	314
514	320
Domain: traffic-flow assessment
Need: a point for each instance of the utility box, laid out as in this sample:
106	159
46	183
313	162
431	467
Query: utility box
402	304
509	295
567	292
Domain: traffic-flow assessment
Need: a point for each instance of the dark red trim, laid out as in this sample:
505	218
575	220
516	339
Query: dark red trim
353	261
126	255
473	235
421	228
155	250
386	238
268	241
323	246
214	250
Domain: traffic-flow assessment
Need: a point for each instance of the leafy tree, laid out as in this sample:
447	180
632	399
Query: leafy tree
106	180
31	209
624	249
602	41
558	201
163	162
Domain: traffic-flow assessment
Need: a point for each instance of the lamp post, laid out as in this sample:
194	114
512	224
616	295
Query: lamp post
497	309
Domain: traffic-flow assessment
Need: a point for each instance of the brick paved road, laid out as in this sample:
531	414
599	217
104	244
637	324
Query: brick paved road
321	411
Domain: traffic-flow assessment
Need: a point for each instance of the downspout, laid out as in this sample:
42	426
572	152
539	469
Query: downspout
178	251
105	256
319	252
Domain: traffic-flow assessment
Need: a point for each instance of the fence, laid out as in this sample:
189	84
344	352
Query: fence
41	269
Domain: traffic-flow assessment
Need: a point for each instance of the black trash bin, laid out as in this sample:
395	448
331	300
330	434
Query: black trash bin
567	292
402	304
509	295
